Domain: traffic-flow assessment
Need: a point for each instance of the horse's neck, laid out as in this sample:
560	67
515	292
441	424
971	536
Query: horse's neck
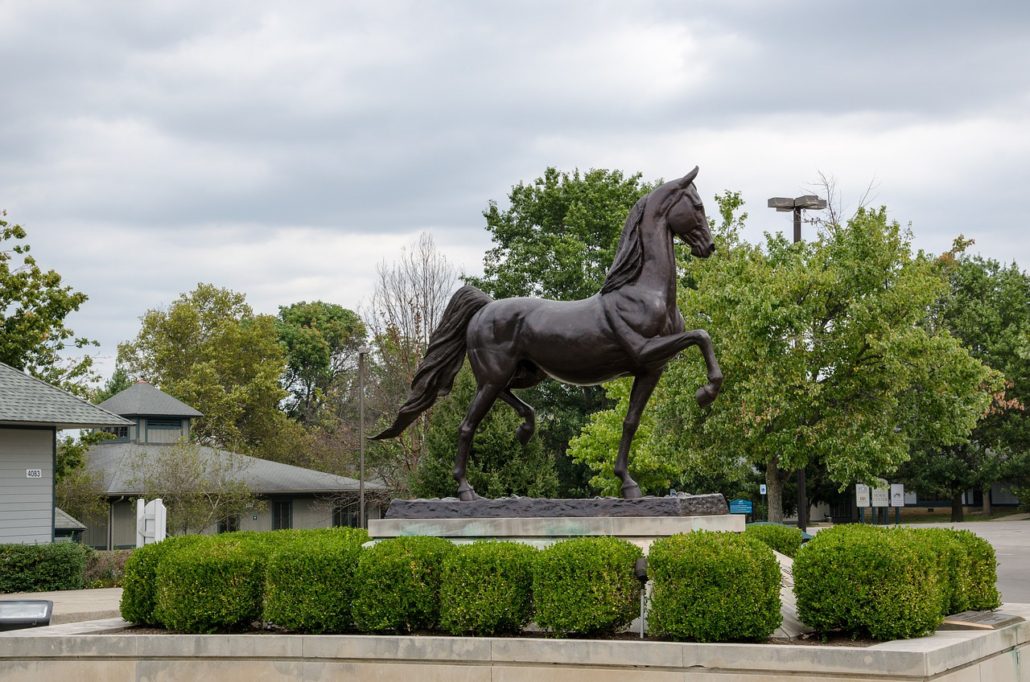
659	270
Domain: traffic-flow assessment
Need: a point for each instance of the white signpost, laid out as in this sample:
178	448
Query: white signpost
881	497
861	495
897	495
151	522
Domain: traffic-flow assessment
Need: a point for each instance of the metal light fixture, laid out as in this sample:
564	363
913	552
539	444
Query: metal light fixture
25	613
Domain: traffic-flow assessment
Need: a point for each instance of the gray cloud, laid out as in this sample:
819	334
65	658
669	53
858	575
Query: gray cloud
150	146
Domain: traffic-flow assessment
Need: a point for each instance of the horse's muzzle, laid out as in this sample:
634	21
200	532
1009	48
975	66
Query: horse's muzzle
703	251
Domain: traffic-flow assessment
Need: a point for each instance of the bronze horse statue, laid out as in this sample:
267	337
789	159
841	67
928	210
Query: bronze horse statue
630	328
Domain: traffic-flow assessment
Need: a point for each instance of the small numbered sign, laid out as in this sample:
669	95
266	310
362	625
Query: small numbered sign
33	473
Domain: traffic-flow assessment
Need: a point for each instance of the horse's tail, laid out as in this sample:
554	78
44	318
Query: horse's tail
435	374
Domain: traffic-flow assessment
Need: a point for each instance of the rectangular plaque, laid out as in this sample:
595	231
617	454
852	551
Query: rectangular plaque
897	495
33	473
980	620
861	495
881	497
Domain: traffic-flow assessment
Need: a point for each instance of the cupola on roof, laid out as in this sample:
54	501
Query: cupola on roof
143	400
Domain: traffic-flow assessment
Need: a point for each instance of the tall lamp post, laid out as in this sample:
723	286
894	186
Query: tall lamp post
795	206
362	354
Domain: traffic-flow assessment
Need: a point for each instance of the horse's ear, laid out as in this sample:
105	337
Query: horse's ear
688	178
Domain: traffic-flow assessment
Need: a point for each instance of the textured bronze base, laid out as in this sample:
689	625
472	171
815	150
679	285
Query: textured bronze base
532	507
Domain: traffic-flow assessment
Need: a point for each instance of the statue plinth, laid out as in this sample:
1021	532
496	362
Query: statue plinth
541	522
533	507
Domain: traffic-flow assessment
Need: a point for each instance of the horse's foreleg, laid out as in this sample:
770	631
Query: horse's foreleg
485	397
707	393
663	348
528	425
643	385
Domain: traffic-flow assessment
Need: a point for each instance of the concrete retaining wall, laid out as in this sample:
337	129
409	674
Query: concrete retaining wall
76	652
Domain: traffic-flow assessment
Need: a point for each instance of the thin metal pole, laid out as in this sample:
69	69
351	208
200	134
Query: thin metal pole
361	438
802	493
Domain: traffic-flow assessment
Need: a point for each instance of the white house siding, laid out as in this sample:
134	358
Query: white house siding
26	504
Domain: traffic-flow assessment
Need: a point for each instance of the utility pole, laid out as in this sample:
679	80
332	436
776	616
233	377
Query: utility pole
795	206
362	354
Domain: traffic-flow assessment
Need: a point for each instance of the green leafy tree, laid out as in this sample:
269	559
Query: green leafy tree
118	382
985	307
210	350
198	486
499	466
556	239
34	304
826	356
321	341
79	490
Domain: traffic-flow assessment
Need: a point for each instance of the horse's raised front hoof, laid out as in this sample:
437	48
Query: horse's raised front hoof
705	395
524	433
466	493
630	490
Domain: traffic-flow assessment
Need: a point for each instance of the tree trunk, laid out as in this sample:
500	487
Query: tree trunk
987	501
774	485
957	514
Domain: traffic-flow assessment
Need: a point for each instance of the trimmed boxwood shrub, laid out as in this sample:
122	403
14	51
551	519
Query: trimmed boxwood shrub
784	539
713	587
586	586
866	580
487	588
952	560
210	585
139	584
398	584
309	581
42	568
983	570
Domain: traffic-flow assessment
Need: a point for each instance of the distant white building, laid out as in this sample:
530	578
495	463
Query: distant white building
155	421
31	413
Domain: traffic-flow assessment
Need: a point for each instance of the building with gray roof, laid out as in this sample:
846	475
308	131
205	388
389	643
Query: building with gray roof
158	428
31	413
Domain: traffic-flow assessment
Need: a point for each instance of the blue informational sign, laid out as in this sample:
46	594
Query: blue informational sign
741	506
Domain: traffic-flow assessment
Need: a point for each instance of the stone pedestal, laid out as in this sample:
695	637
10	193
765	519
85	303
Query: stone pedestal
541	532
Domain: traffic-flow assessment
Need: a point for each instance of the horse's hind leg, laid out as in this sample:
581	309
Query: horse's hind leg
527	376
485	397
643	385
525	410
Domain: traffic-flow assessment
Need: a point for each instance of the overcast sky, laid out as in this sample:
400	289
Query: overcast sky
284	149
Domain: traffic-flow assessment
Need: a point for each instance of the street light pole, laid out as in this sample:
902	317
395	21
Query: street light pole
362	353
796	205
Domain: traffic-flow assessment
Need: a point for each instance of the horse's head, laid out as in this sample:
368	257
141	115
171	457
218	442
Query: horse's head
680	205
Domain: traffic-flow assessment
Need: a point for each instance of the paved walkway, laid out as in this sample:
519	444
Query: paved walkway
73	606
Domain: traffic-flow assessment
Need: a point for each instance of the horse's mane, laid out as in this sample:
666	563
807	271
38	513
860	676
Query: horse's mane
629	257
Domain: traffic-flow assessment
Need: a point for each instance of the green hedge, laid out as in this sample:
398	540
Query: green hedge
586	586
784	539
309	581
42	568
713	587
210	586
487	588
864	580
139	584
952	560
983	569
398	585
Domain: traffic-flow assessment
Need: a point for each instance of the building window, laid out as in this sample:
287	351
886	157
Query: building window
119	432
229	524
173	424
282	514
345	515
